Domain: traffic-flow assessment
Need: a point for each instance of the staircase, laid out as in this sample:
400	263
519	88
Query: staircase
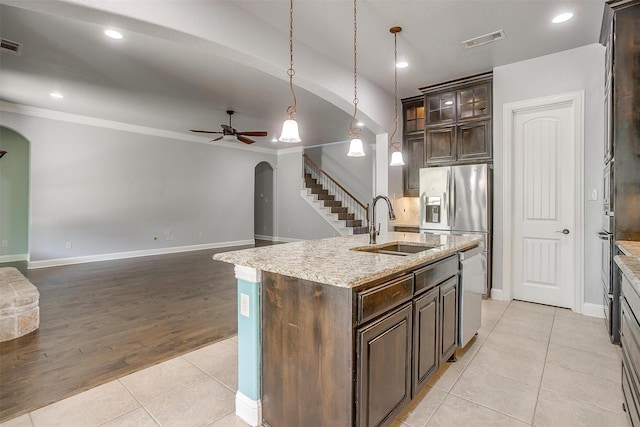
337	206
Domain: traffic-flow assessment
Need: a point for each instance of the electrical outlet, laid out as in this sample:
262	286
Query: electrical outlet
167	232
593	194
5	243
200	235
244	305
69	245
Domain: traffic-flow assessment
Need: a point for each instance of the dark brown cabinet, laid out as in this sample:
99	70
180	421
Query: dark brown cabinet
338	356
414	155
458	128
448	318
384	367
426	330
413	144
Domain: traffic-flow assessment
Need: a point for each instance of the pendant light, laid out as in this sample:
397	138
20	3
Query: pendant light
355	147
290	126
396	154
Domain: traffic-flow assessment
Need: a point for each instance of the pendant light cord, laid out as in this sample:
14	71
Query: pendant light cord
354	131
291	109
392	144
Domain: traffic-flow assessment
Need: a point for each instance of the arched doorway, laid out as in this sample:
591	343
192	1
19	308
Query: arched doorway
14	196
263	202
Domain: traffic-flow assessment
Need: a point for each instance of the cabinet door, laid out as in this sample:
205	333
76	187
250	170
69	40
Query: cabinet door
448	318
441	108
426	326
474	141
384	368
414	156
413	117
440	145
474	102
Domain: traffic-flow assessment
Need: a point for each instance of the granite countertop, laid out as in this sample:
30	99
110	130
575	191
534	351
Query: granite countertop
629	247
630	262
334	262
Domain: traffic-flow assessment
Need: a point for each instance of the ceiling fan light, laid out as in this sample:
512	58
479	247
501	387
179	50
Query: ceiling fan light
290	131
396	159
355	148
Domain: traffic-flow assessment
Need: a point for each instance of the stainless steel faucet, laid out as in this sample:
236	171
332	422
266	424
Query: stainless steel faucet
372	228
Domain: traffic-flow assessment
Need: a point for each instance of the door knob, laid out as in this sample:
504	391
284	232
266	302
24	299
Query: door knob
565	231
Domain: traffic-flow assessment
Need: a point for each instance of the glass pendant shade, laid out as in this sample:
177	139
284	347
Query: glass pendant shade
289	131
355	148
396	159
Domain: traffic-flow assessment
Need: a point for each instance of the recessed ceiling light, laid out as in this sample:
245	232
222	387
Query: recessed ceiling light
402	64
563	17
56	95
117	35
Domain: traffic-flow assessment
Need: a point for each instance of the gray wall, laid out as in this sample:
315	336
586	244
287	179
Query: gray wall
356	174
14	195
263	200
296	219
572	70
111	191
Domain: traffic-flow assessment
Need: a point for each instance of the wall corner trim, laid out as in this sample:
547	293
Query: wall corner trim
250	411
248	274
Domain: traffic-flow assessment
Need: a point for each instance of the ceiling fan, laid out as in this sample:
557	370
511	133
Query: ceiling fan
230	134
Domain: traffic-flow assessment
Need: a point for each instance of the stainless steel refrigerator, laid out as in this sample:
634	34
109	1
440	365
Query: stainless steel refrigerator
457	200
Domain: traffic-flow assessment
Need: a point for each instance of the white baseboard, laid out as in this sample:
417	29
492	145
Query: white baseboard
497	294
250	411
593	310
268	238
286	239
14	258
134	254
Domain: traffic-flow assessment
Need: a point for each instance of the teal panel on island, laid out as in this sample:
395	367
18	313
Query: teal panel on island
249	339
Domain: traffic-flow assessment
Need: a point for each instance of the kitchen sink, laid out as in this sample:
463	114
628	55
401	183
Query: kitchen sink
400	249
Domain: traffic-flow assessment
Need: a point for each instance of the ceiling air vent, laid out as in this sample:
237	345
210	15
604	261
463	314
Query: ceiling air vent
11	47
487	38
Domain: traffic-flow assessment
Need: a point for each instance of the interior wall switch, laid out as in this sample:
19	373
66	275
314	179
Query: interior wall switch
69	245
593	194
244	305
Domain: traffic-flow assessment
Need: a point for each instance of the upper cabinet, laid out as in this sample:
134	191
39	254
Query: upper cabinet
413	113
459	126
450	124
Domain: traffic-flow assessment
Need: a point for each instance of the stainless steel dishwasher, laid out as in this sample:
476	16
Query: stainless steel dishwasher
472	284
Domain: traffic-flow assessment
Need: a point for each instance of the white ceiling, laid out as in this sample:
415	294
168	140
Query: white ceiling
183	63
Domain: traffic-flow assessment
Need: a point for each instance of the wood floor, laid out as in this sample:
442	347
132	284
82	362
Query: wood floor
103	320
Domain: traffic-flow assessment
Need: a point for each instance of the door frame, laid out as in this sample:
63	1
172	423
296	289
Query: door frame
576	101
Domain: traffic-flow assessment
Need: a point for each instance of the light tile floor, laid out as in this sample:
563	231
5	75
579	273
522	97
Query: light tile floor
530	365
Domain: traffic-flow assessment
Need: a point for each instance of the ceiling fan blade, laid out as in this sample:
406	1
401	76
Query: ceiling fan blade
252	133
205	131
217	139
245	140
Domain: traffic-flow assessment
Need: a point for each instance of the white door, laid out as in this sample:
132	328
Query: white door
544	203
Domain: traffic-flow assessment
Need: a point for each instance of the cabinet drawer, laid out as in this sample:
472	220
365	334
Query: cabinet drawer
630	396
375	301
431	275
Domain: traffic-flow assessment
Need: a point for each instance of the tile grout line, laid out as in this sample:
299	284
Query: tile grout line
470	360
544	367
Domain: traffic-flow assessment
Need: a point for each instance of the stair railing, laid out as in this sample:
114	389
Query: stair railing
353	205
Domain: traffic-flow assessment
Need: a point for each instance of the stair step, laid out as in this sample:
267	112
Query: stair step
338	210
331	203
324	196
354	223
359	230
319	191
346	215
312	184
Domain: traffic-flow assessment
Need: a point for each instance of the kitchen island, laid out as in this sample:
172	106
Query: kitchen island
341	332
